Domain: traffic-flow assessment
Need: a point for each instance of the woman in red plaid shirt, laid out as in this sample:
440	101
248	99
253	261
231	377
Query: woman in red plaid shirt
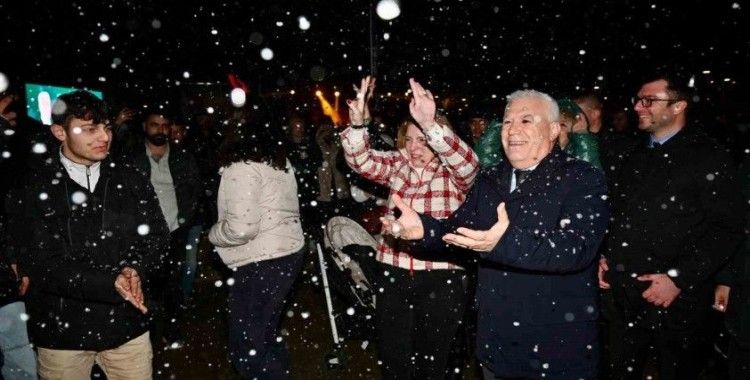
422	294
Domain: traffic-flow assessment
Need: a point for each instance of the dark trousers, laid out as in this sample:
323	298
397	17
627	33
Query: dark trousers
256	302
611	326
416	320
168	289
675	338
739	360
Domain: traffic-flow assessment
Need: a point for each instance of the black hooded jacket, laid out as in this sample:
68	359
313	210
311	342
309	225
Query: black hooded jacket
73	243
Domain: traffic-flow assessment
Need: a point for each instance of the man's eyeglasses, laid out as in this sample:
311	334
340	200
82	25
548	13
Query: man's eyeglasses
649	101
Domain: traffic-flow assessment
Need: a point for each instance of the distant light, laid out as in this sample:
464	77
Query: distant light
386	36
186	75
388	9
726	79
210	110
336	93
691	82
155	23
279	23
238	97
103	37
214	32
318	93
292	92
266	54
706	71
582	52
3	82
304	24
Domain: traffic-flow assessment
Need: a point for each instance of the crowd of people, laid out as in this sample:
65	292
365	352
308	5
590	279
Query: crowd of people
558	241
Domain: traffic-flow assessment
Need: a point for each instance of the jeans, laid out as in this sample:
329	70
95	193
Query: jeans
256	302
19	361
190	266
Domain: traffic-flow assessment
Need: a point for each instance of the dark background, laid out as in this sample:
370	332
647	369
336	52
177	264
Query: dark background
460	49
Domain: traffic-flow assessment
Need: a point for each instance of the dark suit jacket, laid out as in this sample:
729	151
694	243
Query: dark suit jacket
676	209
541	277
185	174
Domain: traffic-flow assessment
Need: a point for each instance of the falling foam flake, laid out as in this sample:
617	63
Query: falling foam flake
304	24
39	148
143	229
238	97
78	197
266	54
3	82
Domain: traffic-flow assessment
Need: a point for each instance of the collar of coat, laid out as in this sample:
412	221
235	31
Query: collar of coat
536	179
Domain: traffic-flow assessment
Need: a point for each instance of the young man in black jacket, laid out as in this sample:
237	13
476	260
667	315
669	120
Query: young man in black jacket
88	233
676	218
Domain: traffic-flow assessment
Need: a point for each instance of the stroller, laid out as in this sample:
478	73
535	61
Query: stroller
349	271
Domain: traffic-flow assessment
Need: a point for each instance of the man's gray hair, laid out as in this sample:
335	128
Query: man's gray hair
553	111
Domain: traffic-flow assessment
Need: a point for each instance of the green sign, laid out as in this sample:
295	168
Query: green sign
41	97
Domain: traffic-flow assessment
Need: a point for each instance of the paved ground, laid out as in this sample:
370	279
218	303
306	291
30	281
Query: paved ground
305	328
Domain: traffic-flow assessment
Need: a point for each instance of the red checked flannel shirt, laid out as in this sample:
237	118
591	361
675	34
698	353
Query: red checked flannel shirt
437	192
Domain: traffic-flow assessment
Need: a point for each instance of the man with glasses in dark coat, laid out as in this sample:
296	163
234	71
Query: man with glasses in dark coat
676	218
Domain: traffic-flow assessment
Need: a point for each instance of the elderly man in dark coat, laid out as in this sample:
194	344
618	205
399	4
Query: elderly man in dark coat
537	220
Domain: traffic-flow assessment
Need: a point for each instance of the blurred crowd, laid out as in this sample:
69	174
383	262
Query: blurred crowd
645	269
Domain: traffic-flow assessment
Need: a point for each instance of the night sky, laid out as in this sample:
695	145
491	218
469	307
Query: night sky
458	48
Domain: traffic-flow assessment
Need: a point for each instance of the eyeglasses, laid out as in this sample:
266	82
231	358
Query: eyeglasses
649	101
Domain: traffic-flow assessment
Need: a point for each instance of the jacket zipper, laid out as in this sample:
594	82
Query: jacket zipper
88	176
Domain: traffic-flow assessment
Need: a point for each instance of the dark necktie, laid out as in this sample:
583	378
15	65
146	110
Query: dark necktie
521	176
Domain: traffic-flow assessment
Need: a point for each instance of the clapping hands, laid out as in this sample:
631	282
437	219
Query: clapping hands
128	284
